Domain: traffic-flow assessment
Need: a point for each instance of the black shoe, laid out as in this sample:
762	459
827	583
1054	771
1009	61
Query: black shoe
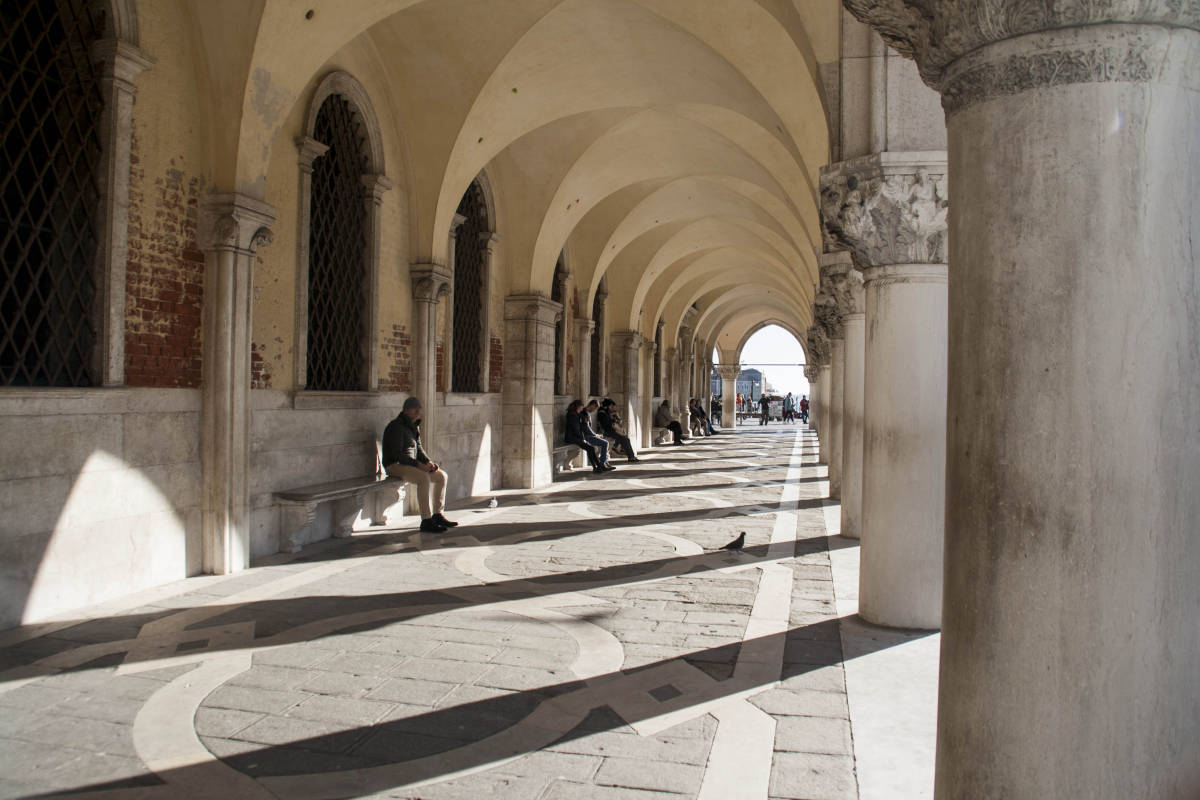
634	460
443	521
431	525
598	470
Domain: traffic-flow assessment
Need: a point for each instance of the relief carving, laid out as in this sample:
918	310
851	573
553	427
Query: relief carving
937	32
818	347
885	218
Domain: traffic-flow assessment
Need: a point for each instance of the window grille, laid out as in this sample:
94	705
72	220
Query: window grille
597	340
658	357
337	267
470	259
51	154
556	294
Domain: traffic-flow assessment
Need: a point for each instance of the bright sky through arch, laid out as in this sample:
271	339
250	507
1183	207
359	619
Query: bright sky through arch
774	345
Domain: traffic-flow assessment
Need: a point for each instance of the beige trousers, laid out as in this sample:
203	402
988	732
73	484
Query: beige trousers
430	486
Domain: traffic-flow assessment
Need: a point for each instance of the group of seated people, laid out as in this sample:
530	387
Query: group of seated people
579	432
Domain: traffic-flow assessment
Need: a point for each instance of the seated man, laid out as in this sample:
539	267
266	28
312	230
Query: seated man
405	458
576	431
696	416
610	426
663	419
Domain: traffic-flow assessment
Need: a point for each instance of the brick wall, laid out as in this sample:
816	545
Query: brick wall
260	375
164	279
496	366
397	350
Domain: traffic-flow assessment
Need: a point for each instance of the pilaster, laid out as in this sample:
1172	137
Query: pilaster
729	374
231	229
528	392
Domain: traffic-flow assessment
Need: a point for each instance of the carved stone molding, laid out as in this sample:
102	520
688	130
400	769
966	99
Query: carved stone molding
812	372
886	208
937	32
534	308
234	222
628	340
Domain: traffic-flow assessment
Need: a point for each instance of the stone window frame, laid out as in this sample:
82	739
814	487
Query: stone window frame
562	281
375	182
120	60
490	240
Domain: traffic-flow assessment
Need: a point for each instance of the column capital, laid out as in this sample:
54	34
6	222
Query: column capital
729	372
310	150
374	185
584	326
235	222
533	308
121	61
430	282
936	33
629	340
812	372
818	345
887	208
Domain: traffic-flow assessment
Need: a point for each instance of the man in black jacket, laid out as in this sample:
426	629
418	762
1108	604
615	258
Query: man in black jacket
404	457
609	421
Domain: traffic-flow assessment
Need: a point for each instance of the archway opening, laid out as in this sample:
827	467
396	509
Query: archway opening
772	363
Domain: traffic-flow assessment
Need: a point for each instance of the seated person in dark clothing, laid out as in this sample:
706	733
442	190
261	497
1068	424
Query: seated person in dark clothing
663	419
589	433
575	433
610	426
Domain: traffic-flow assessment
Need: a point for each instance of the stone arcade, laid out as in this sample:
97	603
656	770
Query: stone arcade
249	230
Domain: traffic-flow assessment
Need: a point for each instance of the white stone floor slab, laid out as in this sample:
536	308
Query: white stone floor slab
892	691
589	640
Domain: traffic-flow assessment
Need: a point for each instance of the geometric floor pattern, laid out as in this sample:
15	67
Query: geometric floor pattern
588	640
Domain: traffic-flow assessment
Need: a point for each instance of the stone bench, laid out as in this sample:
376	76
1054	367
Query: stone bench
303	520
565	456
661	436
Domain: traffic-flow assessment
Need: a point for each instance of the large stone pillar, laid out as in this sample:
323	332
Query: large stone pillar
624	381
683	385
528	391
829	308
430	283
823	405
1070	647
895	220
812	374
232	228
646	406
729	373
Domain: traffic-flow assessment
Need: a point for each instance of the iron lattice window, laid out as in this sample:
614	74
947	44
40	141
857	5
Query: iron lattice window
337	265
658	356
470	260
560	328
50	114
597	341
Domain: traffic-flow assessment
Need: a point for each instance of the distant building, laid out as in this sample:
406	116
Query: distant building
750	383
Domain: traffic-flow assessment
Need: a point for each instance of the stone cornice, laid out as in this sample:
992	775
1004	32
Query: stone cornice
533	308
235	222
937	32
886	208
430	282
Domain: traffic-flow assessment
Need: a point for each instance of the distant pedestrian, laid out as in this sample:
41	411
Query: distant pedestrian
764	403
804	408
789	408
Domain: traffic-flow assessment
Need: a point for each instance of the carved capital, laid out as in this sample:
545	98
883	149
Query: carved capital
812	372
235	222
121	62
374	186
310	150
937	32
628	340
430	282
729	372
532	308
818	345
887	208
584	327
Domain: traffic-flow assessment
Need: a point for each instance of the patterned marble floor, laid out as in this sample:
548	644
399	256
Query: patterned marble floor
590	640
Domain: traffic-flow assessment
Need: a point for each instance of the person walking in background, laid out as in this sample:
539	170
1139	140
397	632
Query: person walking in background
663	419
789	408
764	405
804	408
404	457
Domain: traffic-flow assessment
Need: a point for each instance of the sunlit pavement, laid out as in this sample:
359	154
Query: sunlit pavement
590	640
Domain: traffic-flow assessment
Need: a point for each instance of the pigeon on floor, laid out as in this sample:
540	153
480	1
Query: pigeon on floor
738	543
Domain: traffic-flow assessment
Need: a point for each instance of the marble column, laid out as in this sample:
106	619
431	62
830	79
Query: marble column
231	229
812	374
847	282
430	283
823	404
528	391
729	374
584	328
894	219
1070	647
837	373
624	383
683	385
646	406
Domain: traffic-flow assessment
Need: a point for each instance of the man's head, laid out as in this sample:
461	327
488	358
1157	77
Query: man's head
412	408
592	405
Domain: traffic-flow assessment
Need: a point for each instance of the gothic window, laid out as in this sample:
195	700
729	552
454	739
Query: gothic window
337	255
658	357
51	199
560	328
470	296
597	385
